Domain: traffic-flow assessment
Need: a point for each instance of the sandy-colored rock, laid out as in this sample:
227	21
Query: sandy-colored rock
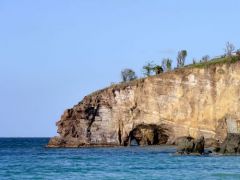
212	143
186	102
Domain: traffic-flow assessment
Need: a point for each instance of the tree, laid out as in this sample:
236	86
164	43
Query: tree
229	49
148	69
158	69
128	75
167	64
194	61
205	58
181	58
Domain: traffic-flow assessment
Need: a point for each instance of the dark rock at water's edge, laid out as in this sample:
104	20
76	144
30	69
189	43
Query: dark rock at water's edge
231	145
185	145
189	145
144	135
58	142
55	142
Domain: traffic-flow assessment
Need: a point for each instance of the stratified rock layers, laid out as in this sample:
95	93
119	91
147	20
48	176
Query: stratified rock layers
156	110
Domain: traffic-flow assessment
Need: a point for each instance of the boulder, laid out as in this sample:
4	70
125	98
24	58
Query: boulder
56	142
188	145
185	145
231	144
199	145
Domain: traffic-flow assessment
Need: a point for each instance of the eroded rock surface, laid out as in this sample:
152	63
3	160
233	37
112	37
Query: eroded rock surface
231	145
186	102
212	143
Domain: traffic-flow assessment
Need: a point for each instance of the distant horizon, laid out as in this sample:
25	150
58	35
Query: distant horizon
53	53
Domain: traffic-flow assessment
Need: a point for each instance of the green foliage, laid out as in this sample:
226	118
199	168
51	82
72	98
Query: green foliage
158	69
128	75
234	59
148	69
230	57
184	53
221	60
167	64
181	57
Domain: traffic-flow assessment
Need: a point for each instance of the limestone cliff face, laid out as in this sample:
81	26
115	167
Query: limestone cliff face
156	110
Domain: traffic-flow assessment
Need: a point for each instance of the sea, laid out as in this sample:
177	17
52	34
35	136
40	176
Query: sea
28	158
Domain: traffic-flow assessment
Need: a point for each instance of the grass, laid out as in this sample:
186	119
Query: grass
216	61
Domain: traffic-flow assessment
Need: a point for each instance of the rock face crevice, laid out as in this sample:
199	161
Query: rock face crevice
156	110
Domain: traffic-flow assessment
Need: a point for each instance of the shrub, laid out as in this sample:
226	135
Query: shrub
158	69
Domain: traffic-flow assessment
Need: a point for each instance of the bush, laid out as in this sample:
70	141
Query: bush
158	69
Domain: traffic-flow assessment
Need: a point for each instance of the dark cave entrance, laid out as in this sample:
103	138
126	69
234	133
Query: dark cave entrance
147	134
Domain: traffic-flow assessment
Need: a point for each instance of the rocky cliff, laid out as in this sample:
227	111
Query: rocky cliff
156	110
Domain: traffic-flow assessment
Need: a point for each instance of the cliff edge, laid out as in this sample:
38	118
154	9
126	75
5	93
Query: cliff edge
156	110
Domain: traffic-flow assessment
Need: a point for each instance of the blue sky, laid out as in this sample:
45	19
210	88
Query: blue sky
54	52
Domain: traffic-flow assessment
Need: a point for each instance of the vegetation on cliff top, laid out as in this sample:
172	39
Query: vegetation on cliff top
221	60
151	68
129	77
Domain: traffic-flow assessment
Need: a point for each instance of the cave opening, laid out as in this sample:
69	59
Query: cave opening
133	142
147	134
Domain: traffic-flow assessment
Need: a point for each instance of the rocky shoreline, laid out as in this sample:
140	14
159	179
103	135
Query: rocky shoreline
184	145
191	146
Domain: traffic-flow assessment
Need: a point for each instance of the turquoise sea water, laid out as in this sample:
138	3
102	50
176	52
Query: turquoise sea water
26	158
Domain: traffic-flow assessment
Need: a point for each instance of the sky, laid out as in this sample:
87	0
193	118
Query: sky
55	52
